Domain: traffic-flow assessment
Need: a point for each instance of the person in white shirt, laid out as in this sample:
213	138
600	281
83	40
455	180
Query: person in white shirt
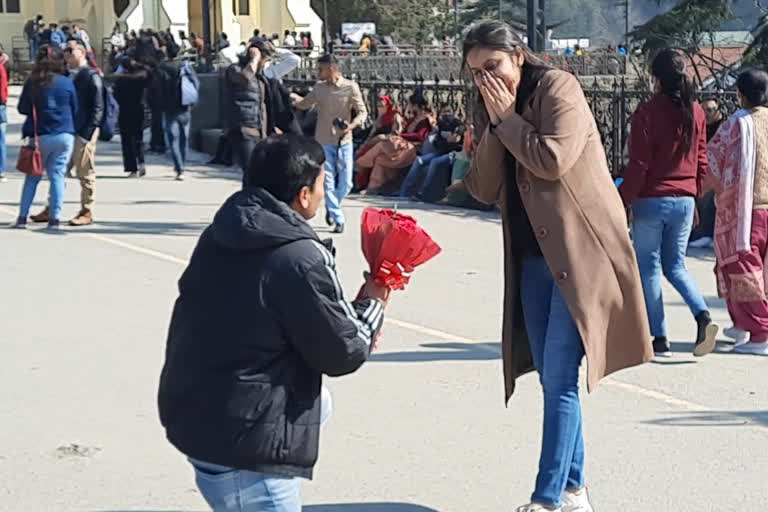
82	35
289	41
283	62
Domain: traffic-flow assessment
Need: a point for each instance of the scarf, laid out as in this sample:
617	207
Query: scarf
388	118
732	153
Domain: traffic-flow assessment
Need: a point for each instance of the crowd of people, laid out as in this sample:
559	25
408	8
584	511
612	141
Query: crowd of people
532	149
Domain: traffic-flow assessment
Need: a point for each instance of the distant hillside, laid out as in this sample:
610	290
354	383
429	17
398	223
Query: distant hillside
602	21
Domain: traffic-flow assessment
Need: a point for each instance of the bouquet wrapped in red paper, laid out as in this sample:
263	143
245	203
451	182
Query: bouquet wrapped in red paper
393	245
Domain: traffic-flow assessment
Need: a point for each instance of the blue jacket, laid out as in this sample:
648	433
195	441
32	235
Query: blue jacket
56	108
58	38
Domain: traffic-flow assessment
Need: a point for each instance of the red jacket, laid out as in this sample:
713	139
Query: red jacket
420	132
3	80
658	166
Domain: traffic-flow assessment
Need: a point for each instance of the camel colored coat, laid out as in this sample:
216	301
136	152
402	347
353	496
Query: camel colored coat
580	224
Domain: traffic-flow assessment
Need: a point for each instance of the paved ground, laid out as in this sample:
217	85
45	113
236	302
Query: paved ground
83	319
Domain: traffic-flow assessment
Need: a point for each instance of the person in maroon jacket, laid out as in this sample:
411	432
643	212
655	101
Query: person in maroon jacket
3	112
667	163
389	160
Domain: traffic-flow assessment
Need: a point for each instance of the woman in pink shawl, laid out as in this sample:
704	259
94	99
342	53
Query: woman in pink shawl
738	160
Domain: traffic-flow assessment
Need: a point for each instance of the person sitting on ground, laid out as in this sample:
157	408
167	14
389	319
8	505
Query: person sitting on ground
260	318
387	161
702	236
430	173
389	122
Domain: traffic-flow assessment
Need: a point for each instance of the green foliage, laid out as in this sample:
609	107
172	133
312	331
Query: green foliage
411	20
688	25
757	53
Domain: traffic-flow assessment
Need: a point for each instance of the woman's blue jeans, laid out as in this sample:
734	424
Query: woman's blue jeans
660	233
56	151
557	353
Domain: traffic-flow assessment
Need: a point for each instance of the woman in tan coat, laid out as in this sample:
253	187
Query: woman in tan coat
572	285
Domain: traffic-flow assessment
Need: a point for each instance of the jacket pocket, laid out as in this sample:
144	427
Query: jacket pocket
250	400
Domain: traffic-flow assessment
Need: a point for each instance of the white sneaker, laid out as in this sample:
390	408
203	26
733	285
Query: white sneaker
704	242
758	349
736	334
535	507
573	502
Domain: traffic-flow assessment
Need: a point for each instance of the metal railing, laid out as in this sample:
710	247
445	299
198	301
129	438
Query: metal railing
612	104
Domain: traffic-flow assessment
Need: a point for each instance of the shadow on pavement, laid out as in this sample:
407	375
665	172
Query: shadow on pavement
712	301
368	507
447	352
713	419
143	228
335	507
405	204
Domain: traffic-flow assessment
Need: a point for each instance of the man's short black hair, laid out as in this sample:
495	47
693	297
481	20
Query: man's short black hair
284	164
328	59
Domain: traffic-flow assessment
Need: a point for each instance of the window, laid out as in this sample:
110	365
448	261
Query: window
10	6
244	7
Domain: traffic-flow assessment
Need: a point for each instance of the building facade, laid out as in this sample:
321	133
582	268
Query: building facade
236	18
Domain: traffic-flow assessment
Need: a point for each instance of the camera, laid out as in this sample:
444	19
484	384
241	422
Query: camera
340	124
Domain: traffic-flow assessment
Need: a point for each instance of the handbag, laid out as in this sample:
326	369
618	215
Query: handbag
30	160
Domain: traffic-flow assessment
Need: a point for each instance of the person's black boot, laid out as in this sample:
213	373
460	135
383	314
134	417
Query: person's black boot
661	347
706	334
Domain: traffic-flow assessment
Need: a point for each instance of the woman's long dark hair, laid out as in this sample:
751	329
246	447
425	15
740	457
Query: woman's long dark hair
669	68
49	62
497	35
753	86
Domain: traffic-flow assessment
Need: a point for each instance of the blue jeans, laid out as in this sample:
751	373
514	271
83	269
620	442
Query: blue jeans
438	178
339	163
32	49
660	233
232	490
56	151
557	353
3	127
416	174
176	133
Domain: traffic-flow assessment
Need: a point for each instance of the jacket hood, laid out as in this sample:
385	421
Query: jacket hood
254	219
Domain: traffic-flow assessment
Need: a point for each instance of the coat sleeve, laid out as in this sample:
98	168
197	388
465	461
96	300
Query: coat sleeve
640	152
485	179
703	160
358	104
550	150
333	335
97	114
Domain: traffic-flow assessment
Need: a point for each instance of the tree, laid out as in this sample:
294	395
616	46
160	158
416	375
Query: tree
757	53
690	27
412	21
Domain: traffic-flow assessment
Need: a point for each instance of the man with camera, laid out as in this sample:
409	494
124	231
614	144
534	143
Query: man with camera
340	109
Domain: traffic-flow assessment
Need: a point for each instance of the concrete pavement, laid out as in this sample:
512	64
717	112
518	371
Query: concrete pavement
422	427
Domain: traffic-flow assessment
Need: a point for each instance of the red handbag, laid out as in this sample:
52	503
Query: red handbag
30	160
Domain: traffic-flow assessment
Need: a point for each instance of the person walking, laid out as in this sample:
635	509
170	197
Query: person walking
3	112
130	84
170	81
540	158
738	162
258	105
667	164
340	109
260	318
49	101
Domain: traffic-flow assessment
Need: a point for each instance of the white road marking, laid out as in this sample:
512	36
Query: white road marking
608	381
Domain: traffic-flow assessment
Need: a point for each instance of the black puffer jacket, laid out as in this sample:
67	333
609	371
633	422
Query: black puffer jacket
259	318
246	102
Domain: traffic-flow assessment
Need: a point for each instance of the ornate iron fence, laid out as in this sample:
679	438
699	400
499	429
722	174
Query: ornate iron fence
447	66
612	104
